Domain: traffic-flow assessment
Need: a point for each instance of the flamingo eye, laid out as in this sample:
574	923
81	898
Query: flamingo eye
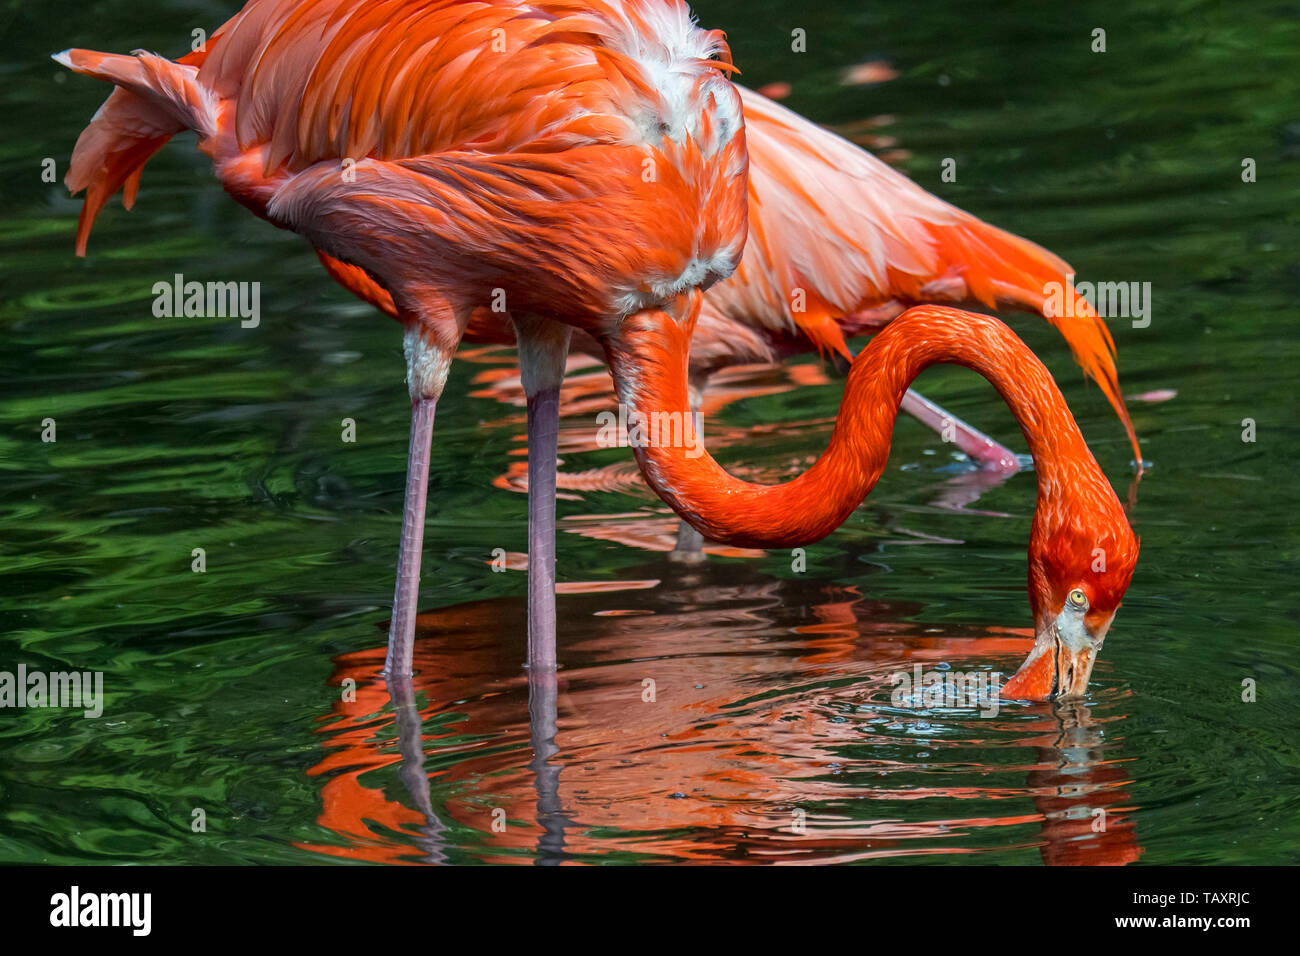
1078	600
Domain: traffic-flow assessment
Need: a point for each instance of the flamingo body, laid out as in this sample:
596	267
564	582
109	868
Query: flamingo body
840	243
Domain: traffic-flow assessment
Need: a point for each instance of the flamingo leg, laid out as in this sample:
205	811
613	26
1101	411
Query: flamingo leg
543	443
543	349
979	447
690	545
410	736
401	631
429	344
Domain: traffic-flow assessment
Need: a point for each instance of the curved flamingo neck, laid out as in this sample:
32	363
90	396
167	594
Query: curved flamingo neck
648	357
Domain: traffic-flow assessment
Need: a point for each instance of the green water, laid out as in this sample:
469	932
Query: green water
224	689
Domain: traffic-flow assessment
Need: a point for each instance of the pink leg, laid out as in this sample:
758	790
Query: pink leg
543	443
543	699
401	631
981	449
690	543
410	738
543	349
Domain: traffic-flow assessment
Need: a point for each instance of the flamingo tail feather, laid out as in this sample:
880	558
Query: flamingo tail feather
155	100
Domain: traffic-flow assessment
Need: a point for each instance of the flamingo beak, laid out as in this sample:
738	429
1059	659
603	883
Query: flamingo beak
1060	663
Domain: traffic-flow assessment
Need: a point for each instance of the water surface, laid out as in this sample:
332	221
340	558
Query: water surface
772	687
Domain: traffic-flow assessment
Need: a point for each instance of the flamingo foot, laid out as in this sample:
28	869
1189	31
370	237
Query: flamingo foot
690	545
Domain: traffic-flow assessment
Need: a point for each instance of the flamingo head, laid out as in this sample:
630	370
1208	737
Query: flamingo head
1081	559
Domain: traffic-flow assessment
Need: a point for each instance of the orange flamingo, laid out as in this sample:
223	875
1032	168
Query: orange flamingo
580	162
798	288
840	244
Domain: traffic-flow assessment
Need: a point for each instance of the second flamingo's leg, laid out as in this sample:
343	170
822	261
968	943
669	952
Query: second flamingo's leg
543	350
979	447
690	543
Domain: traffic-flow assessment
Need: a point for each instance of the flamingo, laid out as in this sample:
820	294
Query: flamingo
848	272
582	161
861	243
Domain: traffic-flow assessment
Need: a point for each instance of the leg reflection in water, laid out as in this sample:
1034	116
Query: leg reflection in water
543	693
